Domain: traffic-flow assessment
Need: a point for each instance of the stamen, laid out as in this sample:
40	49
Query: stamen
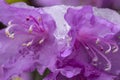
94	61
12	36
7	32
28	44
9	23
107	68
36	23
116	48
31	17
108	62
30	29
109	49
86	47
41	41
94	57
97	41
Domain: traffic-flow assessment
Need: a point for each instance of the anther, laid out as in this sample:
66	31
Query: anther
109	49
97	41
30	29
10	25
41	41
95	59
116	48
12	36
108	67
28	44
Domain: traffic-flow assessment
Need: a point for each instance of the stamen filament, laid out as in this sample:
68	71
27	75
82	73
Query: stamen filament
34	20
108	62
94	57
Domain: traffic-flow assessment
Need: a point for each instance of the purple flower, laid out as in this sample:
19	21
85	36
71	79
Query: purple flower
85	46
94	40
94	46
26	42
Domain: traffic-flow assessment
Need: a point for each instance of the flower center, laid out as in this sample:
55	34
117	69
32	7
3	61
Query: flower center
37	25
34	25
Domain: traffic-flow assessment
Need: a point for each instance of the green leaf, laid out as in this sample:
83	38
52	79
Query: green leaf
37	76
13	1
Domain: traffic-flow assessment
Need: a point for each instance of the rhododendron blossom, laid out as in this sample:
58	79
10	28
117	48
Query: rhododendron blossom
26	41
74	43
